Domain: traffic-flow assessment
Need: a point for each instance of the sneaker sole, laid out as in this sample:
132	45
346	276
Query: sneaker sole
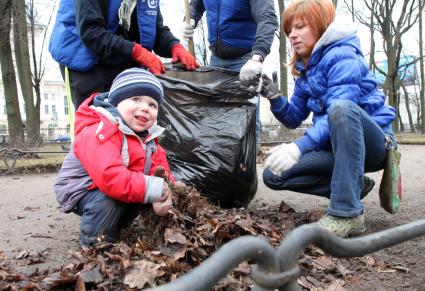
357	231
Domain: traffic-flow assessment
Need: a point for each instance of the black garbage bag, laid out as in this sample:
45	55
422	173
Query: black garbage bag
210	136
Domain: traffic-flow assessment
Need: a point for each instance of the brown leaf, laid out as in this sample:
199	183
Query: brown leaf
180	254
246	224
336	286
90	275
324	263
304	282
174	236
285	208
343	270
80	285
59	279
370	261
141	273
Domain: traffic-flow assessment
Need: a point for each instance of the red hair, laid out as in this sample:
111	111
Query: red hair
317	14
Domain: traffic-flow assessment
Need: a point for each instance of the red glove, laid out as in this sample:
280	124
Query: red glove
147	59
182	55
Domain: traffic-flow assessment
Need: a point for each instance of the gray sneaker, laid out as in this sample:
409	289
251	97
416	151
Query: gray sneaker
343	226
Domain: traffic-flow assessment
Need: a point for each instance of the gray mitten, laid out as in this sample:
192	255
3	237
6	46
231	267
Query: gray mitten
269	88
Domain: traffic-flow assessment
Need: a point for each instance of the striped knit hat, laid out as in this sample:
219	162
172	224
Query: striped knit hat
135	82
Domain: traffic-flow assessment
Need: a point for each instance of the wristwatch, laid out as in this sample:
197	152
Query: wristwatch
257	58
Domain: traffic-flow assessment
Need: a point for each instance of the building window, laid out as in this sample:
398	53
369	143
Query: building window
53	109
65	105
46	96
53	96
46	109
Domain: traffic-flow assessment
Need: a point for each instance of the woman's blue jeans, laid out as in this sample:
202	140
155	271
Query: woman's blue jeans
358	146
102	215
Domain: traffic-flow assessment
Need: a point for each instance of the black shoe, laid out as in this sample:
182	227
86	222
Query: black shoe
368	185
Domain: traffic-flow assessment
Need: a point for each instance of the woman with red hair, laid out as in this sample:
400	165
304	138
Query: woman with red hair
350	119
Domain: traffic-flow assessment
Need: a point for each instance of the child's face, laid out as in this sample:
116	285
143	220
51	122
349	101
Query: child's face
139	112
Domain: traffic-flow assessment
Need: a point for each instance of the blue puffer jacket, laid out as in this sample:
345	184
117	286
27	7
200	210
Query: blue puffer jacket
337	70
84	32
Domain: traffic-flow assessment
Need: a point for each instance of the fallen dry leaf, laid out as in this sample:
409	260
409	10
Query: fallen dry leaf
142	272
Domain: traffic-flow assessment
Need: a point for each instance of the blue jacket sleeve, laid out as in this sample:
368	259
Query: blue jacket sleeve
265	16
290	113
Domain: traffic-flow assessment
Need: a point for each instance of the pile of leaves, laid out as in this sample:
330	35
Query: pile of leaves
156	250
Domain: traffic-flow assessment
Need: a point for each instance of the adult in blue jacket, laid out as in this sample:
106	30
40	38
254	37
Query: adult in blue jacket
350	118
240	34
95	40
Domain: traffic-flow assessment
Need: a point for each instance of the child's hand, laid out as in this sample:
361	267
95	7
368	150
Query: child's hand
160	172
162	206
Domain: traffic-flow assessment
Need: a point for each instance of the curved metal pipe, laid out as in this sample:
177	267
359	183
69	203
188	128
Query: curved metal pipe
231	254
301	237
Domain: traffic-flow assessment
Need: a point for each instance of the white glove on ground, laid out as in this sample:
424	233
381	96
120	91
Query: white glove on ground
188	29
251	70
282	157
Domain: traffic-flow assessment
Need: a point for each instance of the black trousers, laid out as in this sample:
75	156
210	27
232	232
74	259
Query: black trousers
98	79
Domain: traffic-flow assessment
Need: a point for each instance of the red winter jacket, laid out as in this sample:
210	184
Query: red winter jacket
99	147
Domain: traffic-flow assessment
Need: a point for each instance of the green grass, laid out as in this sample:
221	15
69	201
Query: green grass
51	162
410	138
38	162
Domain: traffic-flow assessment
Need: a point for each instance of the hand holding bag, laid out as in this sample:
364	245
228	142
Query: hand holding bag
390	189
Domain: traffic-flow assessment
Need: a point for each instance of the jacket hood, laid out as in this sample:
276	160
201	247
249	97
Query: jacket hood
96	109
339	32
339	29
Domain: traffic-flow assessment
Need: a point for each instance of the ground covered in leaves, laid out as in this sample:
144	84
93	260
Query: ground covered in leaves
156	250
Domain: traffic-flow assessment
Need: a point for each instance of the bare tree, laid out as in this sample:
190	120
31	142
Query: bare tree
372	38
14	120
409	112
283	59
202	46
22	56
392	27
38	58
421	68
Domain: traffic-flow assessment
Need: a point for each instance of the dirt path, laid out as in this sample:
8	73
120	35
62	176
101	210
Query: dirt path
376	272
33	229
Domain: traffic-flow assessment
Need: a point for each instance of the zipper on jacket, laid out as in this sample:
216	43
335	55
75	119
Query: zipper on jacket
218	24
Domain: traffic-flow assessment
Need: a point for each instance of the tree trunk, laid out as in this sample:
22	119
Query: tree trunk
282	54
16	132
421	67
24	71
372	39
409	112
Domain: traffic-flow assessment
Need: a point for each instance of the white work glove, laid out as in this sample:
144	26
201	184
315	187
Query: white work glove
282	157
188	29
251	70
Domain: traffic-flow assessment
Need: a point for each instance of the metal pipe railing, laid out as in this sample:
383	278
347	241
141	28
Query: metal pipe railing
277	268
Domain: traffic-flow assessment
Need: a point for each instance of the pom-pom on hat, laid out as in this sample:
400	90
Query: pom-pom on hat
135	82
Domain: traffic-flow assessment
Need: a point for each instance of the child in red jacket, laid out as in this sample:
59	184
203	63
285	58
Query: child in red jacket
111	169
